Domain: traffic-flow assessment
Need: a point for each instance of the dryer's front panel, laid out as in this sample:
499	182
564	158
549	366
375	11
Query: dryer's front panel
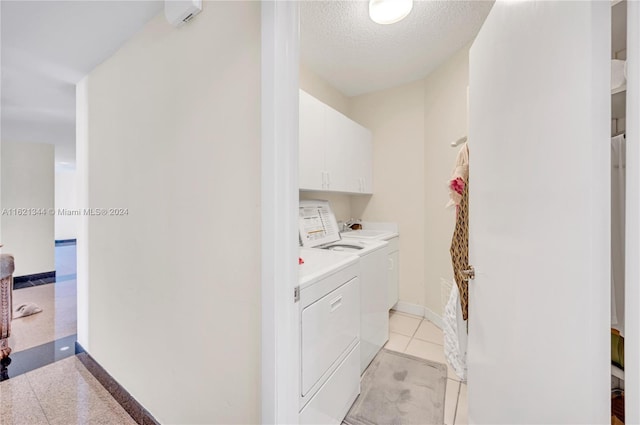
330	327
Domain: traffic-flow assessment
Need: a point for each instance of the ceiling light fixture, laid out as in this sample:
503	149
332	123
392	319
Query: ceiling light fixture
389	11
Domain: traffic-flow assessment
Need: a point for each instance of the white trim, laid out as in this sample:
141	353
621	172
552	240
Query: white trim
405	307
82	201
632	278
434	318
280	70
421	311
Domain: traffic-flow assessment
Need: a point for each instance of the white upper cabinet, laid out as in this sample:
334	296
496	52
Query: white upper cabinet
336	153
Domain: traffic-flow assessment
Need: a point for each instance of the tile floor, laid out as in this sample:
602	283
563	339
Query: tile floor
419	337
61	393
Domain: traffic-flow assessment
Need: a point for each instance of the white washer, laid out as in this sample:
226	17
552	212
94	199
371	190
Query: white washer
319	229
393	254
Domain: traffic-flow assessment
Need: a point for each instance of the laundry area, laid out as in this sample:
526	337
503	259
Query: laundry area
381	187
386	172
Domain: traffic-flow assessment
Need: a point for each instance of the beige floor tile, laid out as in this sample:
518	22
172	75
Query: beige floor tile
69	394
397	342
451	401
462	410
18	403
57	320
427	331
430	351
405	325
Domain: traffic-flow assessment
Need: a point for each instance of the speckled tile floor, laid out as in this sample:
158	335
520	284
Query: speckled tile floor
63	393
419	337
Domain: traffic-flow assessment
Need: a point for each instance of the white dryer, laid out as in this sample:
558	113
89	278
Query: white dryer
329	335
319	229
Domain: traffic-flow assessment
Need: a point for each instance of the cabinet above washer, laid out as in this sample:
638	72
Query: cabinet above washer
336	153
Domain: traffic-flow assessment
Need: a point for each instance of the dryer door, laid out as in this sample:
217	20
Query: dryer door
330	327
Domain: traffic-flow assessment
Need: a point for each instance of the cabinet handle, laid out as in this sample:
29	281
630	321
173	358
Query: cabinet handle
391	264
324	180
328	180
336	303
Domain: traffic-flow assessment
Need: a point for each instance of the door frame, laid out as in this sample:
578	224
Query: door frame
280	317
632	234
280	64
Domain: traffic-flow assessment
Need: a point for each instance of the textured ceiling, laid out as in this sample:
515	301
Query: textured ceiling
47	47
355	55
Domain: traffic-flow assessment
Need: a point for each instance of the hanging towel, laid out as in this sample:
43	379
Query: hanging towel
459	176
459	193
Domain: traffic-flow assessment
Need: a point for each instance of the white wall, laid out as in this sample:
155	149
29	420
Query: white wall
396	118
174	133
28	182
445	120
66	198
317	87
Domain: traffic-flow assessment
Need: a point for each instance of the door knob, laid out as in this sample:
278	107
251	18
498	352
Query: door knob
470	273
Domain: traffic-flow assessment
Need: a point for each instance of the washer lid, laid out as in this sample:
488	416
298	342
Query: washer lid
317	223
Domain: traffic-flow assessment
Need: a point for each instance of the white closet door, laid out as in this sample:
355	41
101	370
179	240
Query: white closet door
632	283
539	214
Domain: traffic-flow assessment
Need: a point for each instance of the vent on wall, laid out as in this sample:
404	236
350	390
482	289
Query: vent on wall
178	12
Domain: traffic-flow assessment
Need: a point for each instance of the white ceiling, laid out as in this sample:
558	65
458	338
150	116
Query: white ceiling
47	47
355	55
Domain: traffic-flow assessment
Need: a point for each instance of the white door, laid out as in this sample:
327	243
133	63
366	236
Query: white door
539	214
632	278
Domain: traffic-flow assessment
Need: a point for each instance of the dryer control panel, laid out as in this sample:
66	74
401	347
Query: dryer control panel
317	223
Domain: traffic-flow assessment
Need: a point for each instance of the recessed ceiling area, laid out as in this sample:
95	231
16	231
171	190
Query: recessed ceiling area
47	47
345	47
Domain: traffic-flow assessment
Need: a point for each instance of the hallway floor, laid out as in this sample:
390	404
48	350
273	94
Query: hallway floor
419	337
47	383
62	393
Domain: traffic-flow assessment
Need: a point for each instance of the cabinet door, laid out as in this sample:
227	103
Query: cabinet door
312	138
339	153
363	158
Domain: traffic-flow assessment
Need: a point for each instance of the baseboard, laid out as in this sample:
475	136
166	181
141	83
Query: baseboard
117	391
405	307
419	310
65	242
36	279
434	318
